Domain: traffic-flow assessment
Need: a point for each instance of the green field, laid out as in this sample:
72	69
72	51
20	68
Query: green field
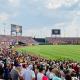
71	52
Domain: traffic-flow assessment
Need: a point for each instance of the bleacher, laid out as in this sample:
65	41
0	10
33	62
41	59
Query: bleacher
11	40
61	40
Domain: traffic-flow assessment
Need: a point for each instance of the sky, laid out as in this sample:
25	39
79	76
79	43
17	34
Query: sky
39	17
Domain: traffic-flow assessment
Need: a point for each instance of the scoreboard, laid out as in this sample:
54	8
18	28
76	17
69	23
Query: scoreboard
56	31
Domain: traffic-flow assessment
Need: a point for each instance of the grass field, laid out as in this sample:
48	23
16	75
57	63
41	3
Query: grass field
71	52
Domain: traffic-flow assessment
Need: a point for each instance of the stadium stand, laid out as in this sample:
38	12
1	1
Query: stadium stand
12	40
22	40
61	40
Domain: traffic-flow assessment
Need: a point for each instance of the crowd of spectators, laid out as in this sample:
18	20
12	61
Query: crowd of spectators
19	66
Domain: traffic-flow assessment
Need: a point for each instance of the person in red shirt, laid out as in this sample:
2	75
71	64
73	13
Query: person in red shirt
45	78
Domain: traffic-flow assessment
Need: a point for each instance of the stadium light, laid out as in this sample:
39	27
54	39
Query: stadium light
4	28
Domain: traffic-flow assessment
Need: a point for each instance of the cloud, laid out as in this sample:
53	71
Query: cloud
70	28
38	32
4	17
78	13
51	4
55	4
14	3
43	14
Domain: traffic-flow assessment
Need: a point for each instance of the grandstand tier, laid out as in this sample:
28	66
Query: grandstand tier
12	40
61	40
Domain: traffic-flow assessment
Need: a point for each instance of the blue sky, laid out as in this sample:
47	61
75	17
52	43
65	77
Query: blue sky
38	17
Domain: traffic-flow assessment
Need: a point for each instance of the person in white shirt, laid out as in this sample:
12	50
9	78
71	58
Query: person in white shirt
23	69
29	73
40	74
51	74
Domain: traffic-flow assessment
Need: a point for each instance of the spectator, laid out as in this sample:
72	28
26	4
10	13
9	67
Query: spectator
15	73
23	69
40	73
29	73
1	72
67	75
6	72
57	74
51	74
45	78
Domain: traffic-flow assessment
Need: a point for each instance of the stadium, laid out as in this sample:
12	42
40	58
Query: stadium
39	39
53	45
58	49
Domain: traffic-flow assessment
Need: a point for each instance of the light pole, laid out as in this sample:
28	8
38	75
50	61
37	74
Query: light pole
4	28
